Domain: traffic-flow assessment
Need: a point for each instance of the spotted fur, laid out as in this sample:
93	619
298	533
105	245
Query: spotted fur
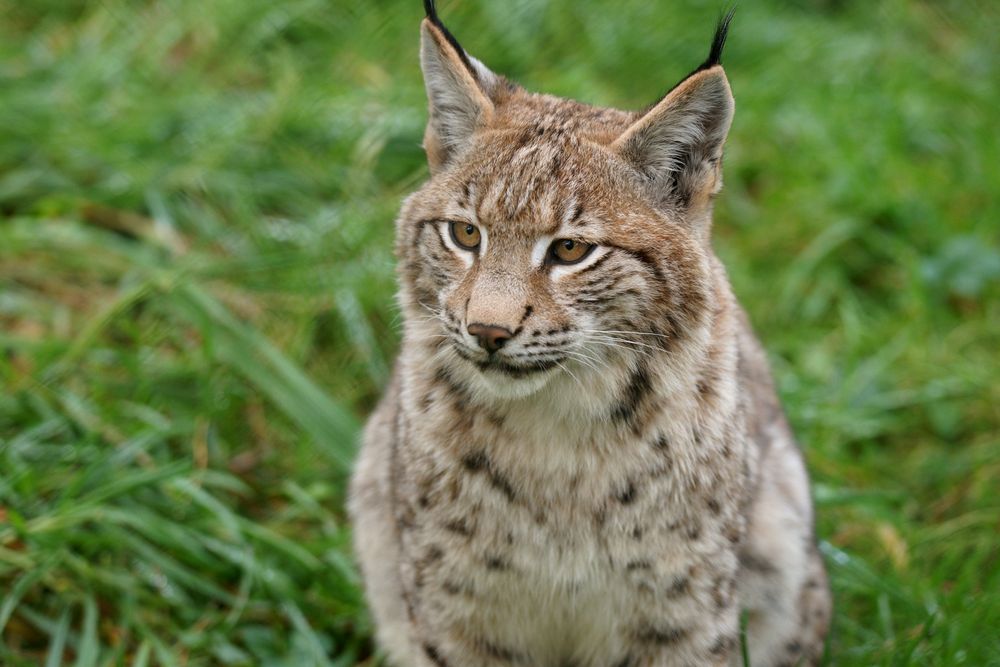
617	483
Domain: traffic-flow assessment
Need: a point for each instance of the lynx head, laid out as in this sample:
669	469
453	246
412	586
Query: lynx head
556	239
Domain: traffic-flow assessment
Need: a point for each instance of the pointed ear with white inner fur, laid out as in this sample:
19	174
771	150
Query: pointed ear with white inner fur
458	88
677	145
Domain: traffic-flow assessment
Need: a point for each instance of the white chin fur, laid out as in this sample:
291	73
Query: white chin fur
492	385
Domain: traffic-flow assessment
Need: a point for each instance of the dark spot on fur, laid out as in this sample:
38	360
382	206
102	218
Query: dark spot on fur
452	588
497	563
679	587
442	376
527	136
694	532
635	391
501	484
637	533
627	495
756	563
556	162
662	636
405	517
434	655
498	652
459	527
411	607
723	645
497	420
638	565
478	462
722	593
713	506
733	532
574	482
601	515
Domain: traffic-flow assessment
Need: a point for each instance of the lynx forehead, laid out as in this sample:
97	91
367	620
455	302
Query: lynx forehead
580	459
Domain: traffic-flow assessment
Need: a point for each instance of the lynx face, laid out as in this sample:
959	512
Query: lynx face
556	238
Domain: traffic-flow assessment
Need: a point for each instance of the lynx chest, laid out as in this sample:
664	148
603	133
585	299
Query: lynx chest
544	546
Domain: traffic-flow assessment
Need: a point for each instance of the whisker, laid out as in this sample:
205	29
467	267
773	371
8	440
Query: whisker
623	341
623	347
571	374
632	333
587	361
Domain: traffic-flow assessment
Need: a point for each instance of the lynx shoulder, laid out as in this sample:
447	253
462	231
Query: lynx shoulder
581	459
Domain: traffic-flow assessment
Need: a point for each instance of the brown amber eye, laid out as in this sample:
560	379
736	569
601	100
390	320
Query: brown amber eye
465	235
568	251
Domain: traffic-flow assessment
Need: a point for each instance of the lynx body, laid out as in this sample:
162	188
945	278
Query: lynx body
581	460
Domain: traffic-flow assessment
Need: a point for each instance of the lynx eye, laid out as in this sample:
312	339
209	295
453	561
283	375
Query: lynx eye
465	235
569	251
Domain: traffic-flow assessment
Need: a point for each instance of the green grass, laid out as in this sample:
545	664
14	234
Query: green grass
196	280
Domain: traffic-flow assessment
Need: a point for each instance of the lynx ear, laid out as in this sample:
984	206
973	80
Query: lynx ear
458	91
677	145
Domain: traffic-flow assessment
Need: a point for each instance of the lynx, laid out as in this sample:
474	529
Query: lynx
581	460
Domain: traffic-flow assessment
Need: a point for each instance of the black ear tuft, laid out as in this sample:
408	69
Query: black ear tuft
718	42
431	10
714	56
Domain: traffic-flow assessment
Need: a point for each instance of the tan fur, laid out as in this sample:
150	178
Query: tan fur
618	482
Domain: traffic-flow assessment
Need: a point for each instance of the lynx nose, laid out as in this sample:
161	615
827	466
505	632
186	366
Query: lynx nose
491	338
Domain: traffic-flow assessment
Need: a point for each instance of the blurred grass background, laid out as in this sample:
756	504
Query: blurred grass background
196	280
